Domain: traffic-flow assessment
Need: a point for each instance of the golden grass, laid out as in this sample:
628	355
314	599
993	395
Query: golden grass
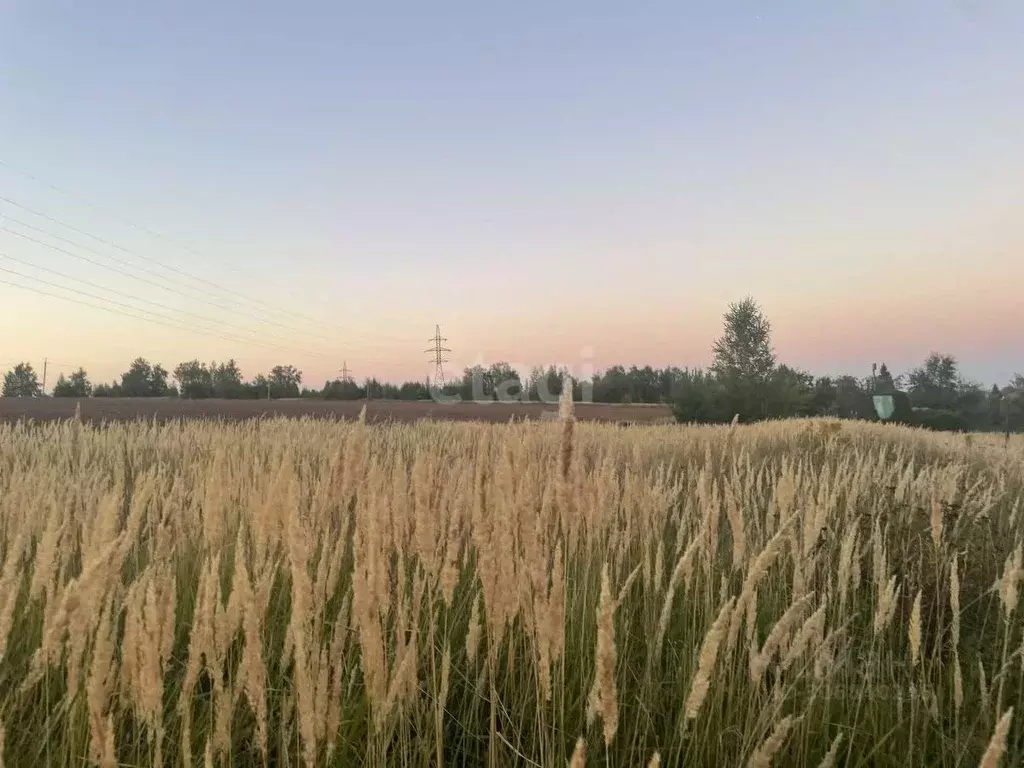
309	593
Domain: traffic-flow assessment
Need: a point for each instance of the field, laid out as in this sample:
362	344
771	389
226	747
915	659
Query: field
162	409
294	592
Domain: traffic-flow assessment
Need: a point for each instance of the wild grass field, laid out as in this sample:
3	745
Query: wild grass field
300	593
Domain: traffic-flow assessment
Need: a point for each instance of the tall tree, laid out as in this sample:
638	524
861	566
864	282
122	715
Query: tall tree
195	380
885	384
77	385
227	380
744	359
1012	404
995	406
284	381
80	383
613	386
144	380
823	397
504	382
936	383
474	384
135	381
22	381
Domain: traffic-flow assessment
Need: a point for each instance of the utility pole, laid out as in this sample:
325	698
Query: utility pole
45	364
437	350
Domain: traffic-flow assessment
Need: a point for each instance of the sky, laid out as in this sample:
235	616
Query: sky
579	183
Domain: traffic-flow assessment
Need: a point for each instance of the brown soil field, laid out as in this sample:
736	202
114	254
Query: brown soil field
98	410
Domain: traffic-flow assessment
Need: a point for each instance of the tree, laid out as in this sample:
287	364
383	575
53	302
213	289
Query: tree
995	406
885	384
227	380
195	380
259	387
790	393
414	390
698	397
342	389
744	359
107	390
284	381
22	382
144	380
823	397
936	383
503	382
972	405
613	386
474	384
77	385
80	383
1011	411
62	387
636	385
550	386
374	389
853	400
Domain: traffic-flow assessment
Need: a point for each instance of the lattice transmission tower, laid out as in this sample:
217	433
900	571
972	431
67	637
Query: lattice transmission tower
437	350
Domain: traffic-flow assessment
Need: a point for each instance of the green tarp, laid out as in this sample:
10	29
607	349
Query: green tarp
885	406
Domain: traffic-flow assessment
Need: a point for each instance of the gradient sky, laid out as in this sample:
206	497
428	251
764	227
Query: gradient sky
585	183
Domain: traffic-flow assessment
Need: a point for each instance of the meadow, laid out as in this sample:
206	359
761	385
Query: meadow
302	592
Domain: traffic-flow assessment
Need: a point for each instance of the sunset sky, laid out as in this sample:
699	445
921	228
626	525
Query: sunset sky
583	183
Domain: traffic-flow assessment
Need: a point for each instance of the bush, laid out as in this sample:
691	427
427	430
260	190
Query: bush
941	421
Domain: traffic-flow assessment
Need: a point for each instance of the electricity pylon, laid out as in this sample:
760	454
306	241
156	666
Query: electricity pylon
437	350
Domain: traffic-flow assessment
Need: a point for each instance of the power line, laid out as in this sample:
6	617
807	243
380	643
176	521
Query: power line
101	265
75	243
204	294
141	228
161	321
147	230
149	282
437	350
91	284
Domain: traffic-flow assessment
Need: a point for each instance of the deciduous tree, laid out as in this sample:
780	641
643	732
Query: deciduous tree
21	381
744	359
77	385
935	383
227	380
194	380
284	381
144	380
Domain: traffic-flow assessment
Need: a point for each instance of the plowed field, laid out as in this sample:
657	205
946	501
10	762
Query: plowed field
162	409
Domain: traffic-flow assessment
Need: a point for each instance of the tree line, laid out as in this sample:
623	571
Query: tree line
745	379
193	379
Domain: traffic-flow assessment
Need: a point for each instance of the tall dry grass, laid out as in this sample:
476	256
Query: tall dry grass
298	593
